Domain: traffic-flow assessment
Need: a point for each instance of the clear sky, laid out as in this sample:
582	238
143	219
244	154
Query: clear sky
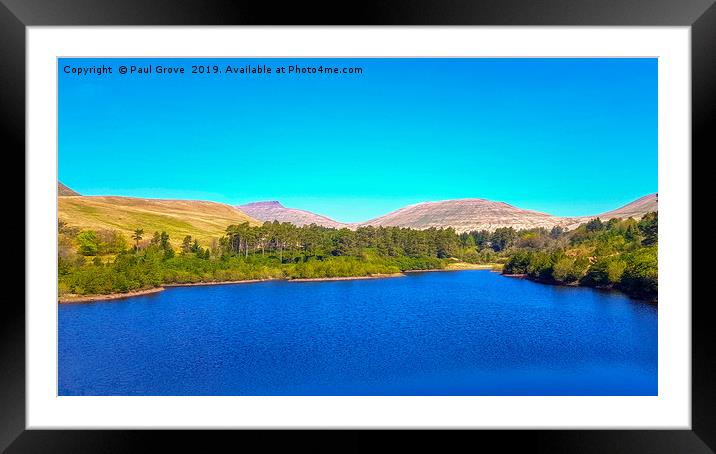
564	136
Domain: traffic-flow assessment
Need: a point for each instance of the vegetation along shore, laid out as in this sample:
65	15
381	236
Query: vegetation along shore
74	298
616	253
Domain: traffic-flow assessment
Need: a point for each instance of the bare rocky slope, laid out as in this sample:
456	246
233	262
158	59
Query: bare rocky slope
274	211
208	220
64	191
465	215
635	209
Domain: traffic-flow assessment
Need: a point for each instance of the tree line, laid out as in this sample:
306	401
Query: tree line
102	261
615	253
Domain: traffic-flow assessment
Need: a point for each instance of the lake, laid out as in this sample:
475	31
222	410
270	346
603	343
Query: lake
432	333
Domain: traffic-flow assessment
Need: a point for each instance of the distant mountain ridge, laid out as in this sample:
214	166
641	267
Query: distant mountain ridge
64	191
463	215
637	208
275	211
208	220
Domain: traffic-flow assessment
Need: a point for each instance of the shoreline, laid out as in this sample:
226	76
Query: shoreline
458	267
107	297
117	296
645	299
346	278
242	281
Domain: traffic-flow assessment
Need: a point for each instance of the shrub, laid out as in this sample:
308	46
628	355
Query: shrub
88	241
641	274
606	271
518	263
564	270
540	266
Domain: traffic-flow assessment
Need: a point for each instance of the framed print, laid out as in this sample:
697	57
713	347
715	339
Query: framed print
442	218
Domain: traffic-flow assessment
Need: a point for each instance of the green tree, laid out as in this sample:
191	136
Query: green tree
502	238
137	237
470	242
649	228
156	239
186	244
641	274
518	263
594	225
88	241
164	240
195	248
631	233
540	266
605	272
565	271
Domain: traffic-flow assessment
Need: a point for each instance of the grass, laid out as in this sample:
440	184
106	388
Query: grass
202	220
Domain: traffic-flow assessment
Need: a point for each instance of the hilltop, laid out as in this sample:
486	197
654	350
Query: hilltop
636	209
205	221
274	211
64	191
465	215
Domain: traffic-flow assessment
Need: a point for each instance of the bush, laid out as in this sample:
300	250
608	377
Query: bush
641	274
88	241
518	263
605	272
564	270
540	266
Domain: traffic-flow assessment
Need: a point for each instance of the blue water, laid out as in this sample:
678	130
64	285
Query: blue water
439	333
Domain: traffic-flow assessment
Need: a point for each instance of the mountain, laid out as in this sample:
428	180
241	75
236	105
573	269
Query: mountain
63	190
274	211
465	215
204	221
207	221
635	209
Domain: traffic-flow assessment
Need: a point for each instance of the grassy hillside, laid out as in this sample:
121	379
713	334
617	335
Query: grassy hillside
202	220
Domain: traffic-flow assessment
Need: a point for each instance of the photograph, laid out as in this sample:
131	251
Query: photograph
361	226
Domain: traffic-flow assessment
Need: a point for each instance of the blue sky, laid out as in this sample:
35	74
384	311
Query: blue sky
564	136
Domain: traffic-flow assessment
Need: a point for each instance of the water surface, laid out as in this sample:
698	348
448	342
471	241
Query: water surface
440	333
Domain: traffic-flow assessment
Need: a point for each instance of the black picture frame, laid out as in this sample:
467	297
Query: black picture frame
16	15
